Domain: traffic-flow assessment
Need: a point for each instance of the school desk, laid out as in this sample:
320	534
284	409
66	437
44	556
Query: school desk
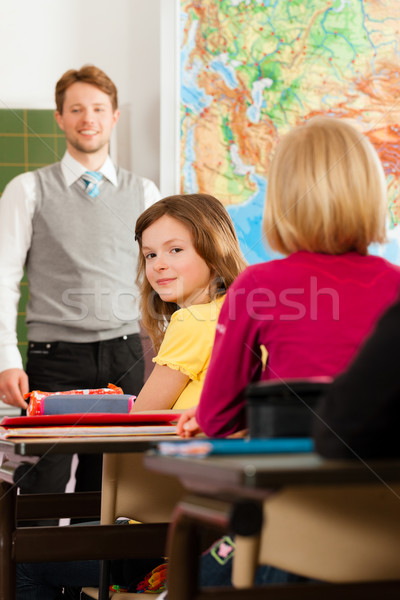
25	544
227	492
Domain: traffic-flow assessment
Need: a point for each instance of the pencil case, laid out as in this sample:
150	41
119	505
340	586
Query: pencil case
283	409
93	403
36	396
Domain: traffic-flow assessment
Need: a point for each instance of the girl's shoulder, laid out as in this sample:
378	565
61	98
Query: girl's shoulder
199	312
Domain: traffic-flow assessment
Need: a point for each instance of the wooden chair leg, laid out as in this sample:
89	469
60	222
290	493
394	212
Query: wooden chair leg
104	584
8	494
245	560
183	559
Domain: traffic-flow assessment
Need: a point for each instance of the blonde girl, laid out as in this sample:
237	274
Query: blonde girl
307	314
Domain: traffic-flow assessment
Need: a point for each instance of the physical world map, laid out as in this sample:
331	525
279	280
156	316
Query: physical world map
253	69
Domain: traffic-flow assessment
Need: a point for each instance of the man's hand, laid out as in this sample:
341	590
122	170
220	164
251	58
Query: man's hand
187	425
13	385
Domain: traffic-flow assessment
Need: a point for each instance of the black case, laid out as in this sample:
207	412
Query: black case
283	409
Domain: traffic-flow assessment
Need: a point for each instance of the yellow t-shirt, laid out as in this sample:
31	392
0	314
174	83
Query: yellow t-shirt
187	346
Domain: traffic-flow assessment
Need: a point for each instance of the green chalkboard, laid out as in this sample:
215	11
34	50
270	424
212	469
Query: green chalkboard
29	139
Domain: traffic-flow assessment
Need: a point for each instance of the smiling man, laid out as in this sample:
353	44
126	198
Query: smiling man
71	225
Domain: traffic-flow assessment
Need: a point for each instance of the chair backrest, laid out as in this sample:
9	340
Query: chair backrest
130	490
283	408
346	533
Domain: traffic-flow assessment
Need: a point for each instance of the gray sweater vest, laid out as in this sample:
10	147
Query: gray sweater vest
82	262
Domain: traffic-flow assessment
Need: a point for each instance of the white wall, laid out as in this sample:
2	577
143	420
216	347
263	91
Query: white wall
41	39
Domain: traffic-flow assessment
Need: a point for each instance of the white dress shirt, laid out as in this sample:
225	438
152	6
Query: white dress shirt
17	207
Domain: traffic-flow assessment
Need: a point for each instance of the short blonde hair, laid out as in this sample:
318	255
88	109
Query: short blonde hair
326	191
214	239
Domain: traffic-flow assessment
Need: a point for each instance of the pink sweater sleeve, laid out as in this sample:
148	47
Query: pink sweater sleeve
235	360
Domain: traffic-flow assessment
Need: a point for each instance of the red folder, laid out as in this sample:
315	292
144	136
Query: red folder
149	418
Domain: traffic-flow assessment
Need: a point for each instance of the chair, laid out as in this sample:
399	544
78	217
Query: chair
334	533
345	534
337	534
130	490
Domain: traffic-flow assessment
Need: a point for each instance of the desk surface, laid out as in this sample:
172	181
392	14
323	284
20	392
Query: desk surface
89	445
261	471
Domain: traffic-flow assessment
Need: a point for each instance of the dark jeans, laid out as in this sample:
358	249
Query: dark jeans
216	568
45	581
62	366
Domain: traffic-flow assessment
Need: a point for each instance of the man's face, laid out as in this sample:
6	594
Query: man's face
87	118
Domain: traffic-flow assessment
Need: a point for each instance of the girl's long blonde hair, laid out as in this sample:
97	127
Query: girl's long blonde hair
326	190
214	239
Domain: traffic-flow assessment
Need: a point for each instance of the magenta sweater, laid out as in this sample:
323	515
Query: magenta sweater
311	312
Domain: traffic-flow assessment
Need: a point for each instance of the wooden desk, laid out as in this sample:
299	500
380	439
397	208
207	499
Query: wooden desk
35	544
226	491
250	473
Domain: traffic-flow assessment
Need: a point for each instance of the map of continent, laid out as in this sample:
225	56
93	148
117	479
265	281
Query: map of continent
252	69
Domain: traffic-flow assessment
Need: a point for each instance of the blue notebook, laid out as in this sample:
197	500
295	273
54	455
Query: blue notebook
237	446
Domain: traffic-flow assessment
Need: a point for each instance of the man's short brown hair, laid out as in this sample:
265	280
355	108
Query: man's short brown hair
87	74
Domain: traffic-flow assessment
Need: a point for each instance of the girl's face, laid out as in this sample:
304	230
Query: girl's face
173	267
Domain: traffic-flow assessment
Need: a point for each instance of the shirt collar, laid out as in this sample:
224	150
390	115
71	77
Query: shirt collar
73	170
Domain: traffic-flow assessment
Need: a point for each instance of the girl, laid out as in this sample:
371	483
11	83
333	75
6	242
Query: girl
189	256
307	314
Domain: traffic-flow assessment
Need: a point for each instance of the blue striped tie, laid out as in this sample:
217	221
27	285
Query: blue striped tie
92	180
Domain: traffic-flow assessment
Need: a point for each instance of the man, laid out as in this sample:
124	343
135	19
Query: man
358	417
71	224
